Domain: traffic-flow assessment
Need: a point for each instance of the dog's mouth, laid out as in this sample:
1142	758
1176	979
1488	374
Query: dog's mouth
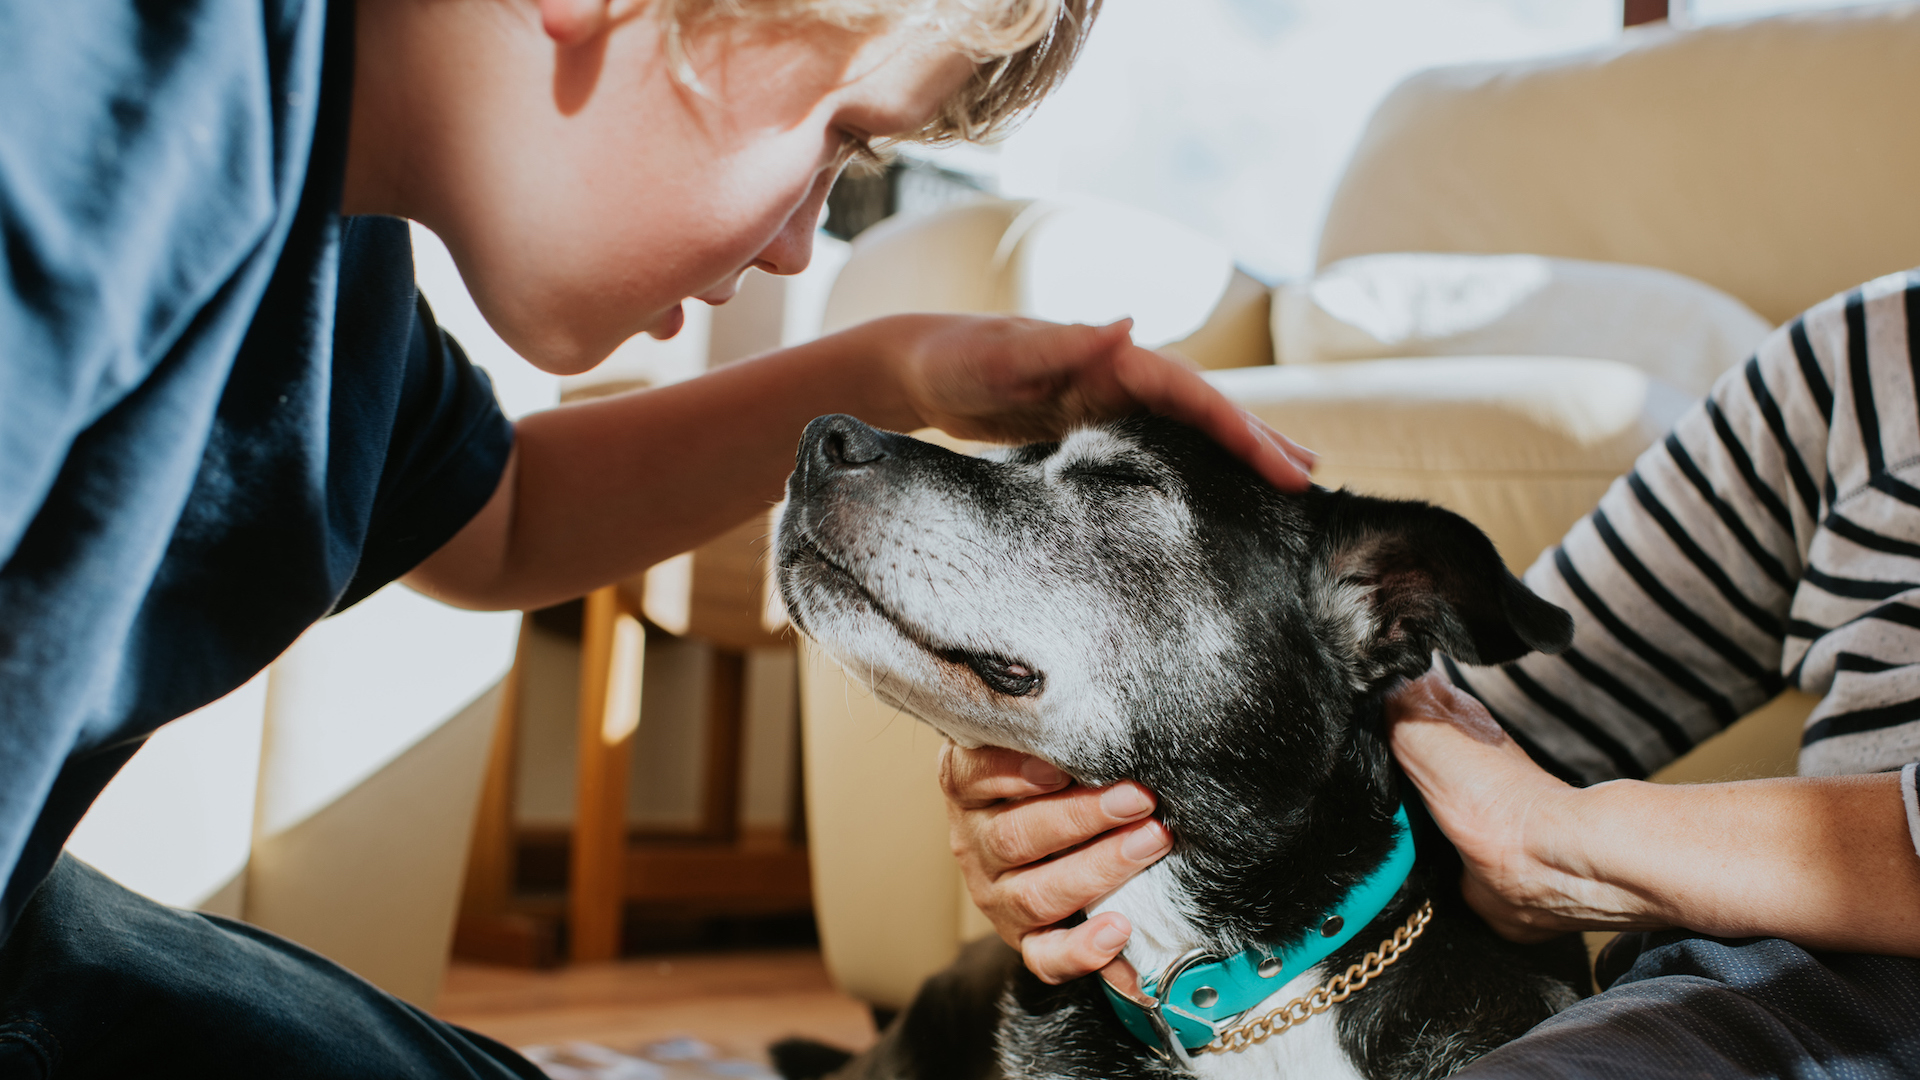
1001	674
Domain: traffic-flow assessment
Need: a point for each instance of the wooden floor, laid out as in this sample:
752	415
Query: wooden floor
738	1002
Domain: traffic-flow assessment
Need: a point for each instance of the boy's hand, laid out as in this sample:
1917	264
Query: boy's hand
581	505
1035	849
1003	379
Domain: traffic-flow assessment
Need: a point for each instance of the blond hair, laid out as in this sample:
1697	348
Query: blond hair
1021	48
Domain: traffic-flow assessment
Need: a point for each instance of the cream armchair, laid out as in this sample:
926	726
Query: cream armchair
1772	160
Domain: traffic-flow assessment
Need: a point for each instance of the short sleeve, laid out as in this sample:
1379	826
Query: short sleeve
416	440
449	447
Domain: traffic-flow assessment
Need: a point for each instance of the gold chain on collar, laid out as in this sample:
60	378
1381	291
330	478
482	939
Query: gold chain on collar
1322	997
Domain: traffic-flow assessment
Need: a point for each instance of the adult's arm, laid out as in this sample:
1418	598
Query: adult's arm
1765	542
603	489
1826	862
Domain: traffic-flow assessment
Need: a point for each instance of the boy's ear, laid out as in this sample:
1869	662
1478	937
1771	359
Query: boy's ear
571	22
1429	579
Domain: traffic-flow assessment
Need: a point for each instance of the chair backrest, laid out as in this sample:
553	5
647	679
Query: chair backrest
1777	159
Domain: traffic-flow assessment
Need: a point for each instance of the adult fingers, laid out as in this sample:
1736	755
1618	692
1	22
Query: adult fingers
1038	895
978	777
1449	744
1063	953
1025	831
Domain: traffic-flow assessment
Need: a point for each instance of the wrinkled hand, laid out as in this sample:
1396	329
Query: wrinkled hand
1035	849
1515	825
1004	379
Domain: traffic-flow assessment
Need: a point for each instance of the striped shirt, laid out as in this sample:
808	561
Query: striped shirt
1772	540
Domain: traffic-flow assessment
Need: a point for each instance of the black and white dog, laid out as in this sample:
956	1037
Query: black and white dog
1132	602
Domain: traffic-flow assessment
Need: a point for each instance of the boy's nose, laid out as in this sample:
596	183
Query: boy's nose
792	249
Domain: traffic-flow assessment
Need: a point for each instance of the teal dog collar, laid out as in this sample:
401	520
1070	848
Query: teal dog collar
1184	1006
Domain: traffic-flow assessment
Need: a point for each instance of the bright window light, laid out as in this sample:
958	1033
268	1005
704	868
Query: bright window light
1236	117
1710	11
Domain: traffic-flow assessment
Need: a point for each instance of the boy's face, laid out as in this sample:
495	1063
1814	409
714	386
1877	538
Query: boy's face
584	192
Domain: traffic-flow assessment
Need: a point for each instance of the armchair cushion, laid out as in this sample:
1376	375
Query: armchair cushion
1681	331
1523	446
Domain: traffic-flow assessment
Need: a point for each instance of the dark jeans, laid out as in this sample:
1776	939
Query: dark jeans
96	981
1690	1006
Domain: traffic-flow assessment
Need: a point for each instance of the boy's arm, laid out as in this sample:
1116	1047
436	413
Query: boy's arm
601	490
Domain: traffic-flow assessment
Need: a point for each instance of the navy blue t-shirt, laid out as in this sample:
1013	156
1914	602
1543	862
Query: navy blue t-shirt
224	410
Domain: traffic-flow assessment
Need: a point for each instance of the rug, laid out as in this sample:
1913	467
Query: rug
671	1059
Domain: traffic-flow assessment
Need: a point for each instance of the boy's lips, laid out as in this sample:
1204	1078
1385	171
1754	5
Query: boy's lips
669	324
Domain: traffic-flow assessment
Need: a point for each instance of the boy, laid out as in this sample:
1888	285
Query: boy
224	414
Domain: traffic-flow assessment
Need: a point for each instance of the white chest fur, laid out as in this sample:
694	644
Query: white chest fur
1163	929
1308	1052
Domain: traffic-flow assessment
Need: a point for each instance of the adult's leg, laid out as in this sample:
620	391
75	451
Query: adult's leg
98	982
1693	1006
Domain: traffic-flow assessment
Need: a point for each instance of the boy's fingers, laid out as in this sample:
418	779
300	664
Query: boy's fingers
1284	463
1063	953
1177	392
1024	379
1041	894
1294	450
982	776
1021	833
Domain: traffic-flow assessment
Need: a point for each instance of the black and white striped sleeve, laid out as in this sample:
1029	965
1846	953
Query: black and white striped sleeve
1703	584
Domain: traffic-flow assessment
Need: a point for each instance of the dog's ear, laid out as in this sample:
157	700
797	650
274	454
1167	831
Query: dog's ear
1424	579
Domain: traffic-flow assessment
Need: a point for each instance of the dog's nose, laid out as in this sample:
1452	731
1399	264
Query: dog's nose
835	443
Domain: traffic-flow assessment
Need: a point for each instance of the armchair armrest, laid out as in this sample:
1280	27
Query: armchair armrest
888	897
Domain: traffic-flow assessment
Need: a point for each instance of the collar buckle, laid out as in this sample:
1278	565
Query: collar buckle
1121	977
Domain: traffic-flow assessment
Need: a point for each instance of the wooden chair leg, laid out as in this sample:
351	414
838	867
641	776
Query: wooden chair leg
720	809
488	928
490	858
612	656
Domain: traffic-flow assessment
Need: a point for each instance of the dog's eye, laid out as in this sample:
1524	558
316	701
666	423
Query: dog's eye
1009	677
1113	475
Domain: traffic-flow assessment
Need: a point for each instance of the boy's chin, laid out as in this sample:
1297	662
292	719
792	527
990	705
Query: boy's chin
668	324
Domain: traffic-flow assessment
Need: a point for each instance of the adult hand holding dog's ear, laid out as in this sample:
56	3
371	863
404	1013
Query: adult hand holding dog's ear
1513	822
1003	379
1824	861
1479	786
1035	848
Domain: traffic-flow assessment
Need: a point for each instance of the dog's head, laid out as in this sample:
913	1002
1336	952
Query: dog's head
1134	602
1130	585
1064	596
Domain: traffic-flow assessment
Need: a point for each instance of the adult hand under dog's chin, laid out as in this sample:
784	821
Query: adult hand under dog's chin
1001	379
1034	849
1516	826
